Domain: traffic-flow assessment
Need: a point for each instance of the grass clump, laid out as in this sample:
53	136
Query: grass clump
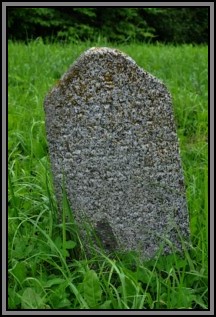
47	265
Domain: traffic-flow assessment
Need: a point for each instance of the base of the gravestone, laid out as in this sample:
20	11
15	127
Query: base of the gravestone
101	238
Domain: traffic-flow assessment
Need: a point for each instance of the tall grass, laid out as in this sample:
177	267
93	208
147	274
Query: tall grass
47	264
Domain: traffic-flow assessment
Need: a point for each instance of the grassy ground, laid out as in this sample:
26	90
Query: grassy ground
47	266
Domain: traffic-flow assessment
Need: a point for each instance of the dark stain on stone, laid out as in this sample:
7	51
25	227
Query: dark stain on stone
105	235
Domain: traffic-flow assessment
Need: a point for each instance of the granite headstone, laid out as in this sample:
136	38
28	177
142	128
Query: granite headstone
111	132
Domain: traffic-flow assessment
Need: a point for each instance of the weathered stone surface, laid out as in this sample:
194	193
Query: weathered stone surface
111	130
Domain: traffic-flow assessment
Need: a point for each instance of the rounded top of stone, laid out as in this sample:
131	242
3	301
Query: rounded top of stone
105	52
108	66
102	49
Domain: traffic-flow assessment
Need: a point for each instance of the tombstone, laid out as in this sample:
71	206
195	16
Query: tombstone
111	132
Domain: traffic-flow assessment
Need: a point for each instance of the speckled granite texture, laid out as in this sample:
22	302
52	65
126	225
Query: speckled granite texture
110	129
